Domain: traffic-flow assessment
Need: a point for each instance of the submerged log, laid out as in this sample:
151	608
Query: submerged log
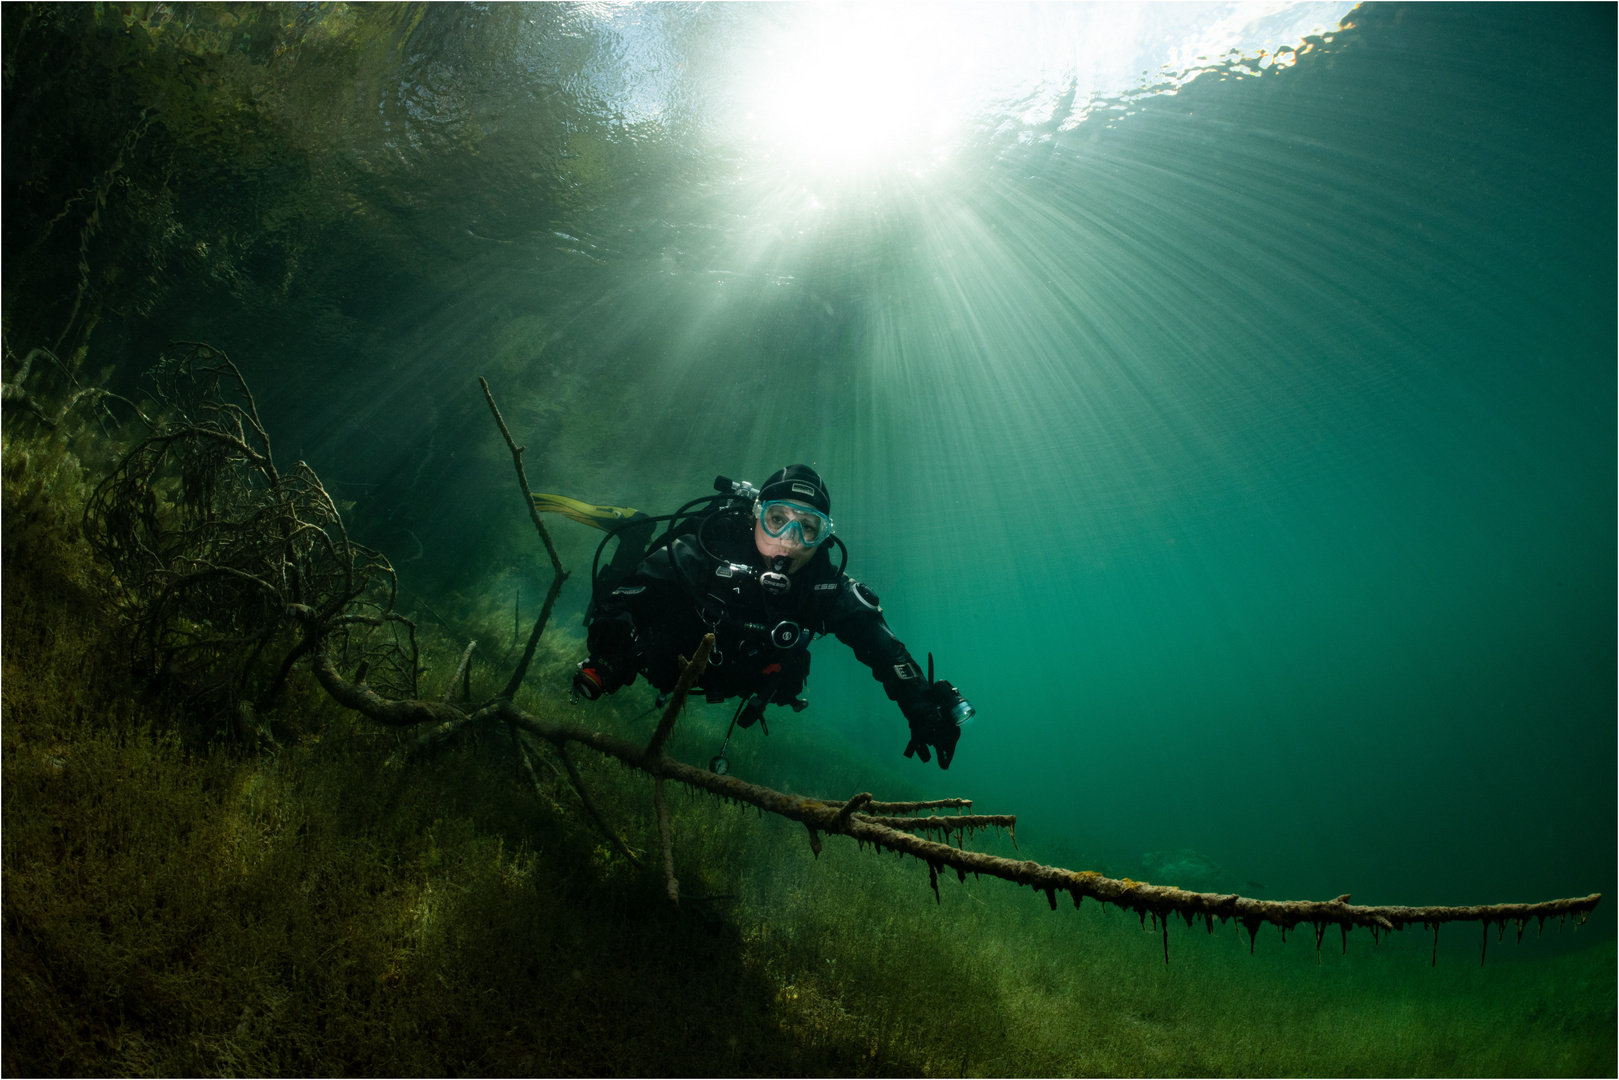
845	818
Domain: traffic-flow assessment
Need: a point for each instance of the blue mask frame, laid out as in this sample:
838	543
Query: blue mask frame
796	512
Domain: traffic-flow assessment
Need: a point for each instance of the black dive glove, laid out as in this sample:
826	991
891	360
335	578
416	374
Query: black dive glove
930	727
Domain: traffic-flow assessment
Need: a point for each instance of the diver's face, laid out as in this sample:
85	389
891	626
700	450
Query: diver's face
786	544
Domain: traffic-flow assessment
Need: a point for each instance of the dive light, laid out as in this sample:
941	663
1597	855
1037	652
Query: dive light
962	711
949	699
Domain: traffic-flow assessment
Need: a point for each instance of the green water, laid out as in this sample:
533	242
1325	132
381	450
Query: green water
1244	453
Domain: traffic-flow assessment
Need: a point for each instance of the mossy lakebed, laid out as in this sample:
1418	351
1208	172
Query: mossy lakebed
175	907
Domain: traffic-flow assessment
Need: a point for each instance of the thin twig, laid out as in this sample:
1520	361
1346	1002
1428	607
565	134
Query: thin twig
912	807
522	478
688	678
945	823
528	766
590	807
463	670
666	837
436	735
534	637
558	576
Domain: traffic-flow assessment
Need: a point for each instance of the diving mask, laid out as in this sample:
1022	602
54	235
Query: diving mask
779	517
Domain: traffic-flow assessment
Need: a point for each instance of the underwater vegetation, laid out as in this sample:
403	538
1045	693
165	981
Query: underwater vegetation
233	552
322	895
290	782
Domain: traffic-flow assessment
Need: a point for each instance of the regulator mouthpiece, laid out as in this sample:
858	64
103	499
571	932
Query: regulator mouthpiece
775	580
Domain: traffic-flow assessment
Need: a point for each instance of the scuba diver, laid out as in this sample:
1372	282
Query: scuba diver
752	567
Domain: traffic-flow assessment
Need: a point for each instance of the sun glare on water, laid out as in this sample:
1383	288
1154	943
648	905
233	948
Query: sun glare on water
847	91
845	88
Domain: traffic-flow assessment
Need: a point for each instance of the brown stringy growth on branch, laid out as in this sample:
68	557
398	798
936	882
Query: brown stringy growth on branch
224	558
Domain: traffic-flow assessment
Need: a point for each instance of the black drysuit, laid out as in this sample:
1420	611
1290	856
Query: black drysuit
678	594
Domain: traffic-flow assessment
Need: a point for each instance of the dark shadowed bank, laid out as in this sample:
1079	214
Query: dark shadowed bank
185	893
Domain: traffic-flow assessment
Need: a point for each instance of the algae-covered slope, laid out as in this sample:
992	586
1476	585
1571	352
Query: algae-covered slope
174	907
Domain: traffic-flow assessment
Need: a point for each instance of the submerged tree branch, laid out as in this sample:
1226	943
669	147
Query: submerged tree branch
849	818
361	698
666	837
584	799
677	700
558	575
522	478
528	767
534	637
463	674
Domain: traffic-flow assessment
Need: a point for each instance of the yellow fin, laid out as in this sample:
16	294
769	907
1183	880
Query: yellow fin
597	517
